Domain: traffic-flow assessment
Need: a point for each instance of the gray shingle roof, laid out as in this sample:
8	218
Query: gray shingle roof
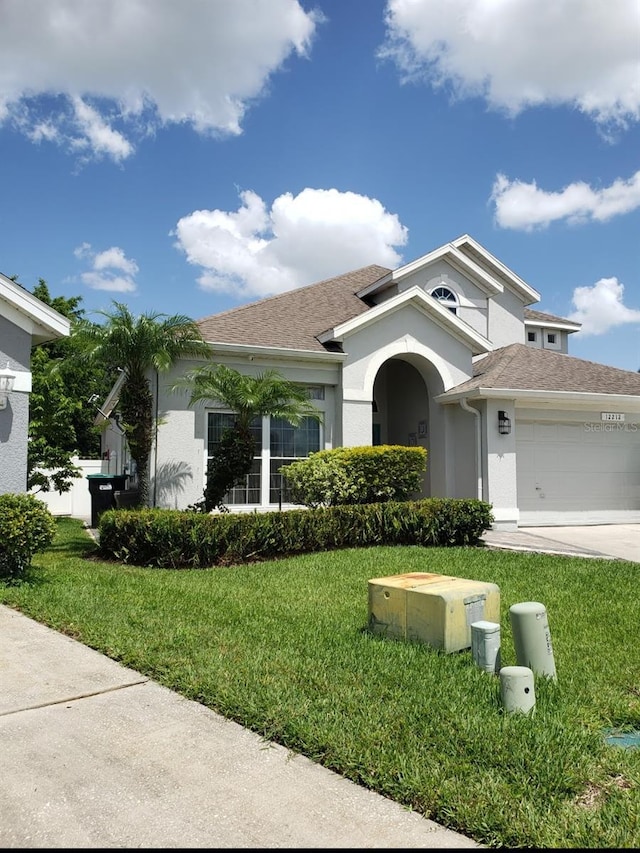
294	319
541	317
518	366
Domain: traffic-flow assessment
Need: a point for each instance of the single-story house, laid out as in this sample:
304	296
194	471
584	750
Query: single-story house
25	322
443	352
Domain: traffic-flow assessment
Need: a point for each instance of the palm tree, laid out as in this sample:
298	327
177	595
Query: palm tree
136	345
248	397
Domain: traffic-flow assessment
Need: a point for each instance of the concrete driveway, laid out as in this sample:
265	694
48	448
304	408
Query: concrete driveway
618	541
615	540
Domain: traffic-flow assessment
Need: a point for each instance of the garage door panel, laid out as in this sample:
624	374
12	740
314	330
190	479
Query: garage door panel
577	466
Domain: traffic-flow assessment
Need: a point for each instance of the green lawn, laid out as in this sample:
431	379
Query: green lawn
282	648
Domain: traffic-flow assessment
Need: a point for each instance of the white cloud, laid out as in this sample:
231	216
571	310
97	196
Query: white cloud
97	134
523	206
110	270
256	252
600	308
114	258
523	53
88	75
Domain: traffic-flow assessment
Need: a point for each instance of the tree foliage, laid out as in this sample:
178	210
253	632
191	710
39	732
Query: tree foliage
60	416
51	430
138	346
269	393
81	380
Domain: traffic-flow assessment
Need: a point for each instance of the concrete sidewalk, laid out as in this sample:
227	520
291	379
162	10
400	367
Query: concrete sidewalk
95	755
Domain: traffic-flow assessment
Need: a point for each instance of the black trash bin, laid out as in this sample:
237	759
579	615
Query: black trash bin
101	488
128	499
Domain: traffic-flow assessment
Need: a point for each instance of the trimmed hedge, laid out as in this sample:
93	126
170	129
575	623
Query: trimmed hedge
26	527
356	475
178	539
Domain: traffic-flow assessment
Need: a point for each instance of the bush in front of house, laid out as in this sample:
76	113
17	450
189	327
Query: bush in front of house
26	527
177	539
356	475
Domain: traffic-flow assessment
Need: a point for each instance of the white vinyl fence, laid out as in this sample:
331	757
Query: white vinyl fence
77	501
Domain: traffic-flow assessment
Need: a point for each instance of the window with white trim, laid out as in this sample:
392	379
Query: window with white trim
288	443
277	443
552	340
446	297
249	491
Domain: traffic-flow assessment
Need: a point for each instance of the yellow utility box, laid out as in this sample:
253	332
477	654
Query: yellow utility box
388	601
431	608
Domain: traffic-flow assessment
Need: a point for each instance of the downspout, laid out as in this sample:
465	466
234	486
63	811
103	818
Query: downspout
467	408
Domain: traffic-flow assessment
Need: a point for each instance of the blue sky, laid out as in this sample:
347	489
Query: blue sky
190	157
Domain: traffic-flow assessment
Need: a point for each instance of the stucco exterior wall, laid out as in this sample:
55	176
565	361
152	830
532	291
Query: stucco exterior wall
506	320
15	346
560	344
356	423
178	460
463	439
406	331
15	349
442	360
562	339
14	426
499	455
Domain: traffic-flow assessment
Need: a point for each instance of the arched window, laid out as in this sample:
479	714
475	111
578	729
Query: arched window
447	297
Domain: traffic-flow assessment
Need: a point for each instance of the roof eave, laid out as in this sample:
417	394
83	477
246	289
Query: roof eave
111	401
248	350
554	324
50	324
576	399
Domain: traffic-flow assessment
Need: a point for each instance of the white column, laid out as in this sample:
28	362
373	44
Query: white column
357	419
500	480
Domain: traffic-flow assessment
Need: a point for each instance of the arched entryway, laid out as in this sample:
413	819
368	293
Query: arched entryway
405	413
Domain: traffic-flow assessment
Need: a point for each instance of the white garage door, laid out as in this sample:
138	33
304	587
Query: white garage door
587	470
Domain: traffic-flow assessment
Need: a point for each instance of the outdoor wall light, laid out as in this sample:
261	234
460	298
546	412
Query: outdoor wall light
504	423
7	378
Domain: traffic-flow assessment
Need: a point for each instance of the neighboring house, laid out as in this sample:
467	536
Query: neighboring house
25	322
443	352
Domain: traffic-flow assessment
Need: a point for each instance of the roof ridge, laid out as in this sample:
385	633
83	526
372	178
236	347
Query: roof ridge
501	359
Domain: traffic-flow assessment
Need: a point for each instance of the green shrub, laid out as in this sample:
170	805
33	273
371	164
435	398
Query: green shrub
356	475
26	527
175	539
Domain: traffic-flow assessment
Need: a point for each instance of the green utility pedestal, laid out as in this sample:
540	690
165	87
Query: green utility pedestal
532	638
